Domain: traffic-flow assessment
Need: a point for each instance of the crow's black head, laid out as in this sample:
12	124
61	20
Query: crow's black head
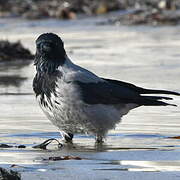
50	52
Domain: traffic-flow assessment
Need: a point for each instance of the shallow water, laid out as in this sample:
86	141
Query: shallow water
139	147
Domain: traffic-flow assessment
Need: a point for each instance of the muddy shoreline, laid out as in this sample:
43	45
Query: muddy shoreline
138	12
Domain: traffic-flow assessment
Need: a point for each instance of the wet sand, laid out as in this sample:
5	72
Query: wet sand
139	147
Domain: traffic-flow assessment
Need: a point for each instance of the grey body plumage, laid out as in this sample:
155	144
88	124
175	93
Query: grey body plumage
78	101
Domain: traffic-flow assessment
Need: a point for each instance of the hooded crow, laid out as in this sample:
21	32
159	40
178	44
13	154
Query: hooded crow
78	101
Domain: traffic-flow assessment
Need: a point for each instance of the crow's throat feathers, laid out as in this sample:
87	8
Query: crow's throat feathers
45	65
45	84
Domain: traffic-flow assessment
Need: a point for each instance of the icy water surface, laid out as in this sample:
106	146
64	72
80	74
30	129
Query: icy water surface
139	147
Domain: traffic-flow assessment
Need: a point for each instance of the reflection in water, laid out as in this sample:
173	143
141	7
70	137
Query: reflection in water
15	81
153	165
16	64
12	76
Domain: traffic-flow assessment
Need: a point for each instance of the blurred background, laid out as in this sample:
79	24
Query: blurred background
137	41
136	11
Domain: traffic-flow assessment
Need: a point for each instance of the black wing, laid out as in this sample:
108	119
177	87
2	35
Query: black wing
140	90
109	92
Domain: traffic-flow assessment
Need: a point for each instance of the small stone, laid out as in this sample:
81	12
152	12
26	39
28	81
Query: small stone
162	4
21	146
59	158
9	174
5	146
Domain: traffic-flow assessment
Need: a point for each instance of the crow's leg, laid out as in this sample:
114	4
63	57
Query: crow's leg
99	139
67	137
